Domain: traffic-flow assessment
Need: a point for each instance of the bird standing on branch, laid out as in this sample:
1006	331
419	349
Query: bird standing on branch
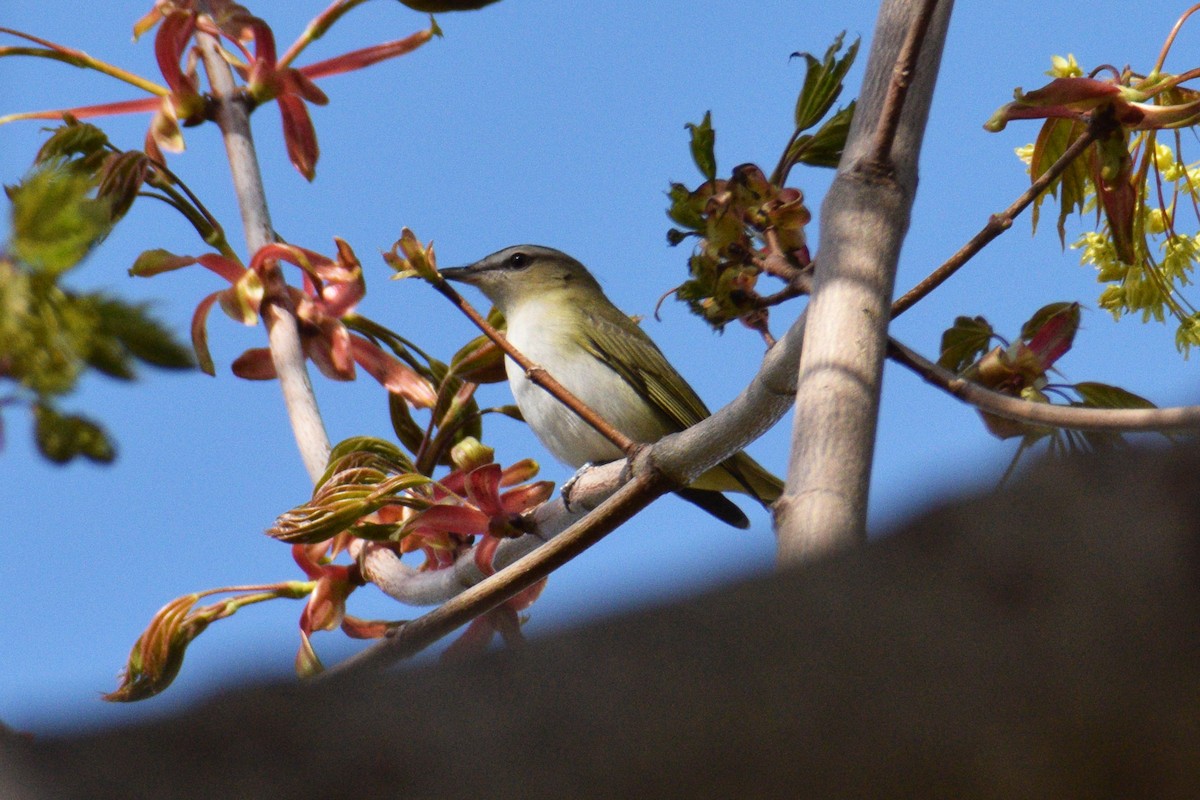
559	317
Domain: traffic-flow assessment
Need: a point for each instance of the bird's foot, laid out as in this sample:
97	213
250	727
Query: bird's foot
570	485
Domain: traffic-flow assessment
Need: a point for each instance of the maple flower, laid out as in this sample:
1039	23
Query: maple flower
332	288
470	503
182	102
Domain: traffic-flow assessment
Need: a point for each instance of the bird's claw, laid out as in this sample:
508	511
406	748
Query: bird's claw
570	485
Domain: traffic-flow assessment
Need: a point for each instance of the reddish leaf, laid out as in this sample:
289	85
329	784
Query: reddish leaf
200	333
254	365
357	59
299	135
482	485
392	374
450	519
523	498
1051	331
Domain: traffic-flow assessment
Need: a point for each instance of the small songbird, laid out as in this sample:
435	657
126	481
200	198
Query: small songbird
559	317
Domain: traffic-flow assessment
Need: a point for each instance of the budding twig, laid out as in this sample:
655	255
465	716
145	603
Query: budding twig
996	225
1117	420
536	373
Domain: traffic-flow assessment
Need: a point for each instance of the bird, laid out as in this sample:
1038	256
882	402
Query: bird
559	317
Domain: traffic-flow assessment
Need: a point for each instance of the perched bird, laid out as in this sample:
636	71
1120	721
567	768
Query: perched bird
559	317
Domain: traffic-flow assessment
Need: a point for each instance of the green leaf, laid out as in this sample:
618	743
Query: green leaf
108	356
964	342
406	428
1072	187
824	148
157	261
1102	395
512	412
685	208
41	331
63	437
73	139
141	335
704	139
54	221
1068	311
822	82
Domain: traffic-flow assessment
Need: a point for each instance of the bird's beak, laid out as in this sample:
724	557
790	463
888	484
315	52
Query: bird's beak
467	274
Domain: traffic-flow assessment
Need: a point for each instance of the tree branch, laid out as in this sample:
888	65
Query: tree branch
1117	420
996	225
283	335
863	222
414	636
902	75
536	373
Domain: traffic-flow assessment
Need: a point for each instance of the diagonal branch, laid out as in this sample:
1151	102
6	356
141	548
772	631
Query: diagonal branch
536	373
996	225
1117	420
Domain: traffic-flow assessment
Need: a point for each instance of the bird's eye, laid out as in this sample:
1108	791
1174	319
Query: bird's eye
518	260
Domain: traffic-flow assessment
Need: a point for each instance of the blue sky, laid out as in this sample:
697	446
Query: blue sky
529	122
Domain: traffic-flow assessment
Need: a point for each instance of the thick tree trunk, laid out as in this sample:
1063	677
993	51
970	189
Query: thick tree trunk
863	222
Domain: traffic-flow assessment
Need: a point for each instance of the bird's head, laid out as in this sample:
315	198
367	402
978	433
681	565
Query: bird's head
523	272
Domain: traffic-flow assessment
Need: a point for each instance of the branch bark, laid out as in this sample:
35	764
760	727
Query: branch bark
413	637
863	222
283	334
1115	420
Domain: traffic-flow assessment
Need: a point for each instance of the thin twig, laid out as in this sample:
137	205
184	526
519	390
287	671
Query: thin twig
996	225
1117	420
893	104
283	334
537	374
414	636
1166	48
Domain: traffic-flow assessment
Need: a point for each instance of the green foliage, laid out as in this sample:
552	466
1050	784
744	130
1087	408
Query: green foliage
1022	370
62	437
823	148
49	335
55	223
822	82
731	219
749	223
964	342
1141	188
704	140
1070	188
1102	395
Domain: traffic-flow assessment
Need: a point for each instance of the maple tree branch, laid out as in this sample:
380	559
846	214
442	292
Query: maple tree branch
277	311
536	373
1117	420
902	74
996	225
415	635
864	219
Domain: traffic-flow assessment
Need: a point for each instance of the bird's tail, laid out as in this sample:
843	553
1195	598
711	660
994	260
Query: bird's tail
741	473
